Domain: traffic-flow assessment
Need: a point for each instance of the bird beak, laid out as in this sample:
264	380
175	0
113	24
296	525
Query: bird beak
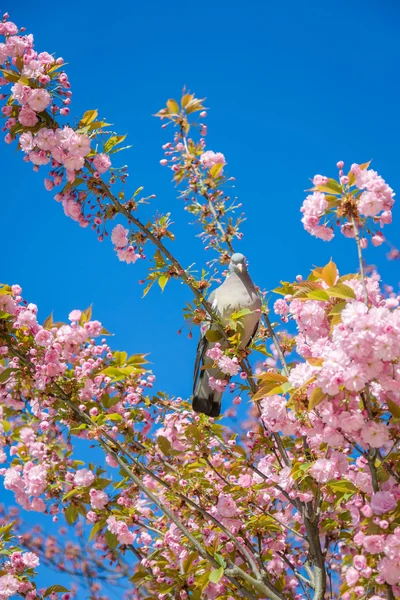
240	267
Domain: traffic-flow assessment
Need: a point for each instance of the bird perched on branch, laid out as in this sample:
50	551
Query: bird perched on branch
236	293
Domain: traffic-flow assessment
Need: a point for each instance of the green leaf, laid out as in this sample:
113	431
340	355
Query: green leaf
213	336
86	316
105	332
343	486
71	514
48	323
5	375
55	588
393	408
71	493
118	373
115	417
241	313
192	432
216	575
337	309
113	141
331	187
147	288
173	107
137	360
120	358
341	290
115	150
194	105
162	281
6	528
88	117
220	559
316	398
186	99
10	75
4	315
5	290
95	529
329	273
164	444
318	295
215	170
287	288
111	539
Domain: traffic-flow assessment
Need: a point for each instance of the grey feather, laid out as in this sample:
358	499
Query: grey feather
235	293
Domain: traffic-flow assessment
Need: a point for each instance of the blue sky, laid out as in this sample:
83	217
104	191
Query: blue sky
291	88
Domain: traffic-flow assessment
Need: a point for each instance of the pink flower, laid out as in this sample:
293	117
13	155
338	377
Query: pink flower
48	184
74	163
120	529
352	576
323	470
390	570
91	516
320	180
44	337
324	233
75	315
128	255
30	559
218	385
102	162
26	141
21	92
392	544
226	506
8	586
39	158
98	499
377	239
281	307
81	146
39	99
383	502
27	117
72	209
119	236
273	410
209	159
373	543
83	478
348	230
375	434
359	562
46	139
229	366
215	353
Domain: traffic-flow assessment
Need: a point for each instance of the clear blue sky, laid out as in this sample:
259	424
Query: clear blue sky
292	88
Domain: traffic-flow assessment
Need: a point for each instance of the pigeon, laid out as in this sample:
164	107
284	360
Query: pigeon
237	292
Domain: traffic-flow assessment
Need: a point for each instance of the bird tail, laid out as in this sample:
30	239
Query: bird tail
205	399
208	405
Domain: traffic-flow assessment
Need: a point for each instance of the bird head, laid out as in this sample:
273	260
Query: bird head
237	264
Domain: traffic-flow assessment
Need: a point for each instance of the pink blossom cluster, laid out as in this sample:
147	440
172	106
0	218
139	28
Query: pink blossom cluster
125	252
376	197
120	529
313	209
36	88
57	350
28	483
370	202
209	158
226	364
